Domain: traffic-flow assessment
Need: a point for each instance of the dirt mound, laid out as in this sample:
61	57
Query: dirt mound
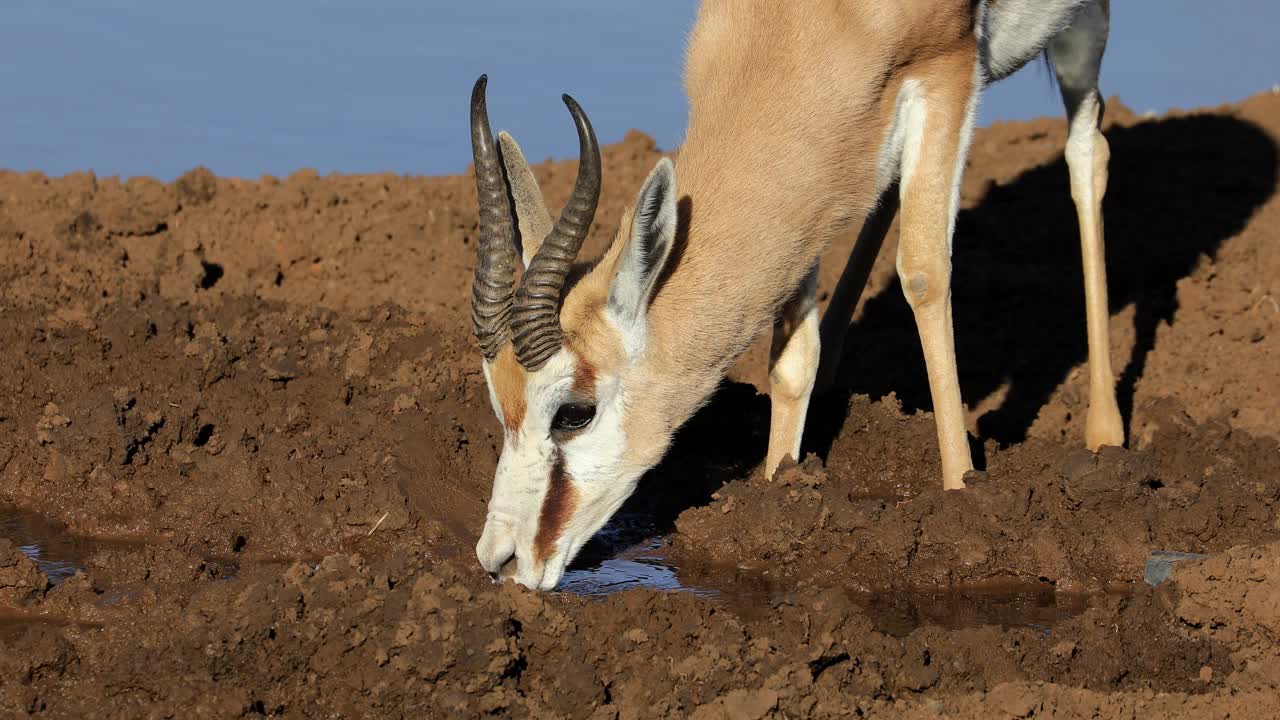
1234	598
1042	513
252	421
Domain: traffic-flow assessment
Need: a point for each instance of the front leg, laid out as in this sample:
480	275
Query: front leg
938	129
793	366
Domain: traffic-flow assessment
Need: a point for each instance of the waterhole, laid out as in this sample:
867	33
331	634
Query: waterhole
629	553
632	553
56	551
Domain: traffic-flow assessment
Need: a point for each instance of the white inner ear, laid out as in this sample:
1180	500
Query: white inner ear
653	230
531	211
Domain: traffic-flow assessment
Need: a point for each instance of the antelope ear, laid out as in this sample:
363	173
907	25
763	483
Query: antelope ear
532	218
653	230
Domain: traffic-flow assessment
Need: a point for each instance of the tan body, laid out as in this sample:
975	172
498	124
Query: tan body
790	142
806	119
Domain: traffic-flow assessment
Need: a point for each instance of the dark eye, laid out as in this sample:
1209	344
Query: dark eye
573	416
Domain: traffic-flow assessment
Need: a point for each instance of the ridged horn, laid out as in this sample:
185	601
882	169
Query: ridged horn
535	318
493	288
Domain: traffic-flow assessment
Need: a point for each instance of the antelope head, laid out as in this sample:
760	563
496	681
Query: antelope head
563	352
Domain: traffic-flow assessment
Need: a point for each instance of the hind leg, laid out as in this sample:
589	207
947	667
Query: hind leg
1077	56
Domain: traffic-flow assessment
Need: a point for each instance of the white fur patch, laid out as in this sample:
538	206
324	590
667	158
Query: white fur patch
906	124
914	110
1081	141
1012	32
493	396
962	150
653	231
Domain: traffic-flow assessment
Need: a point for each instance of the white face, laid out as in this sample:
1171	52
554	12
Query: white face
562	473
567	463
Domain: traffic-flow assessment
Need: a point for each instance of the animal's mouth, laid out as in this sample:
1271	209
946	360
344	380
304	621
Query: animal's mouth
508	570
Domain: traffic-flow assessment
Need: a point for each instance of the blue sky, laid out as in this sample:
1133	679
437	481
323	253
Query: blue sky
246	87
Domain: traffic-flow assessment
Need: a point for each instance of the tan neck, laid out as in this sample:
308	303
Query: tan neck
752	228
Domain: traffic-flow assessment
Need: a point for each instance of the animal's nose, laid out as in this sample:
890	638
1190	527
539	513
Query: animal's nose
506	569
496	550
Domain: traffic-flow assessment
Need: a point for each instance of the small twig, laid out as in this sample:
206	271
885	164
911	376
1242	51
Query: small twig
379	523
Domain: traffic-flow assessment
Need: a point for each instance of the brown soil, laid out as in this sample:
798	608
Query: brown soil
253	413
21	582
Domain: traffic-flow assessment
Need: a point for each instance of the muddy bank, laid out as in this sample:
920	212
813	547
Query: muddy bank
245	425
350	636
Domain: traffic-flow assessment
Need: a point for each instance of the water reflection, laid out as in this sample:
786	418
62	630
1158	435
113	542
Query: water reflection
1040	608
56	551
629	553
641	566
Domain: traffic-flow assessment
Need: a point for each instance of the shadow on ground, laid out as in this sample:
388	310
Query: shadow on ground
1178	188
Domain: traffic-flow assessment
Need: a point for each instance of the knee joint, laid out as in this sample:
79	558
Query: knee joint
1087	154
924	283
793	374
791	381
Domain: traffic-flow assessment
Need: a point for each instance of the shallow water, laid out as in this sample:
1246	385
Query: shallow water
14	624
899	613
628	553
56	551
631	553
640	566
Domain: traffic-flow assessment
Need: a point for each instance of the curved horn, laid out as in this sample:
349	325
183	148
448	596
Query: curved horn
492	289
535	319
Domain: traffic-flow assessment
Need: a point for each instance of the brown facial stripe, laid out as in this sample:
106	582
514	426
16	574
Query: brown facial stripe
584	379
557	508
508	384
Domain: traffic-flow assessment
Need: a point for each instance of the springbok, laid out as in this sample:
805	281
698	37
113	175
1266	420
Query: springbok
806	118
